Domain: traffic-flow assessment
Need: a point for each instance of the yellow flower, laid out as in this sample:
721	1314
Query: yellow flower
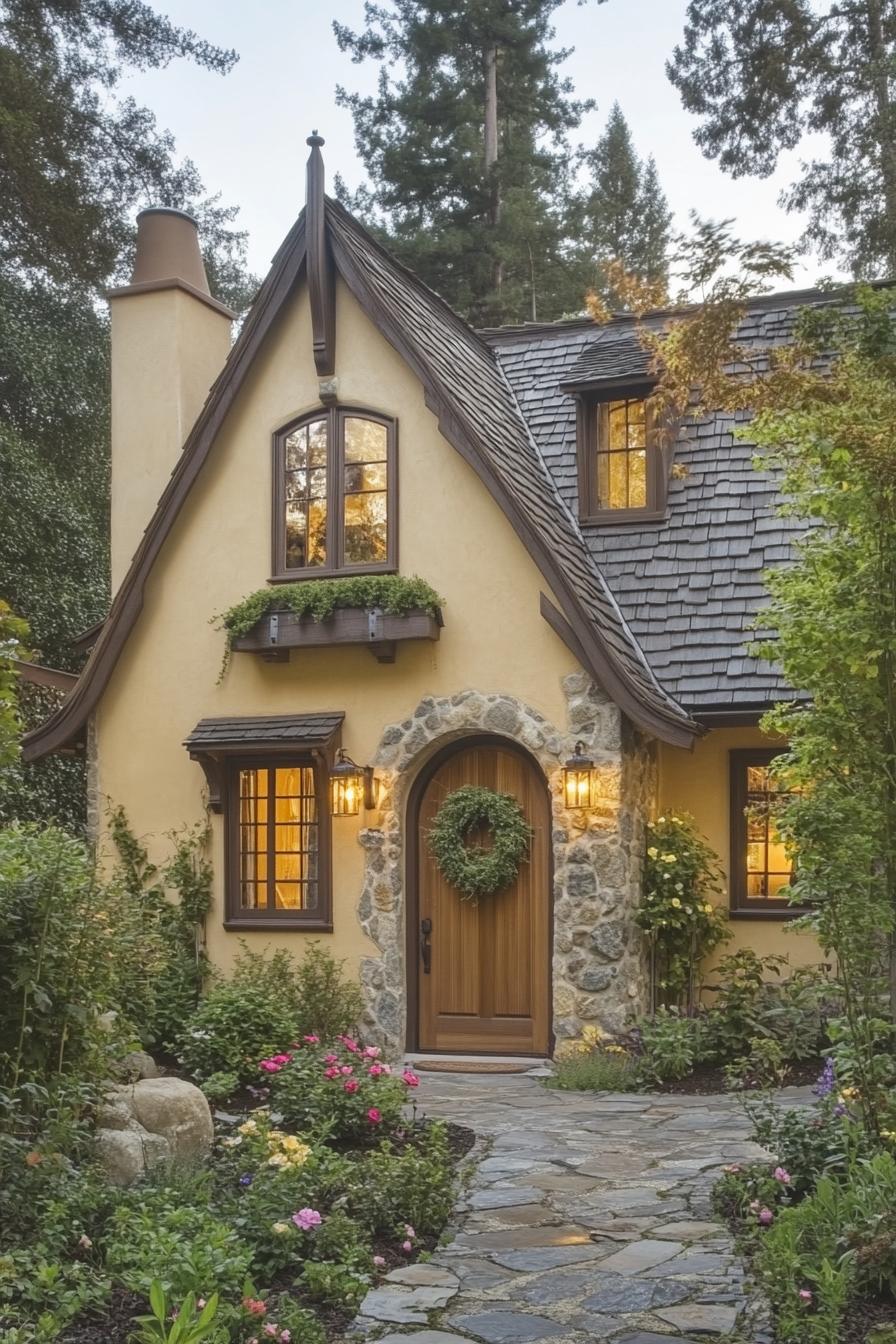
889	1134
277	1160
660	820
280	1228
676	903
616	1050
652	852
849	1094
249	1127
670	858
708	909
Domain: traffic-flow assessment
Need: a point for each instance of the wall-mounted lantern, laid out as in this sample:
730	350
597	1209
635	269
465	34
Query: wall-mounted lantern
351	785
580	780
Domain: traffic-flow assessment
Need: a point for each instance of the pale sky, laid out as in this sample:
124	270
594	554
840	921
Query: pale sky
246	131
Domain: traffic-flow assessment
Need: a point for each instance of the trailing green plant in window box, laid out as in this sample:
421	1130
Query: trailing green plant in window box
319	598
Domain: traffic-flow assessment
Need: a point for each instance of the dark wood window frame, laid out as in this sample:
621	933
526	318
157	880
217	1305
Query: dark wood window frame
592	416
335	416
742	906
235	915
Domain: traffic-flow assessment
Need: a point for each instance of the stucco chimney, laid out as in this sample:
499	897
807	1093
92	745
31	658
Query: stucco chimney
170	339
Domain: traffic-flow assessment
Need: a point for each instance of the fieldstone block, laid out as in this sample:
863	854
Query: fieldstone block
154	1121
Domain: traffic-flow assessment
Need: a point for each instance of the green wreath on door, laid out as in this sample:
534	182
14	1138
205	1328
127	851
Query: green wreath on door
474	871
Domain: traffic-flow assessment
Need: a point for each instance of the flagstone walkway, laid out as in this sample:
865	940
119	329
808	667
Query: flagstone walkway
587	1219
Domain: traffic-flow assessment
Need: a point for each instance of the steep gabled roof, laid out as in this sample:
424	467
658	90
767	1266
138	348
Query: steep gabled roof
466	389
690	583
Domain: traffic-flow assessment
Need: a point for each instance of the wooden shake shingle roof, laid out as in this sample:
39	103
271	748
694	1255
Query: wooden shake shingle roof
467	389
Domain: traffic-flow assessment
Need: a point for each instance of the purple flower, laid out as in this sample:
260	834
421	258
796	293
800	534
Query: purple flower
246	1180
840	1110
306	1219
826	1082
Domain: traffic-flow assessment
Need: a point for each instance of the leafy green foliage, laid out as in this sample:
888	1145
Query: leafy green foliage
762	75
267	1003
678	910
62	951
13	634
67	205
184	1248
319	598
594	1066
669	1046
191	1325
164	916
477	870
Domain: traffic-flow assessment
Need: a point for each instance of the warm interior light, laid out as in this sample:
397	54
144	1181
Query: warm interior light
580	780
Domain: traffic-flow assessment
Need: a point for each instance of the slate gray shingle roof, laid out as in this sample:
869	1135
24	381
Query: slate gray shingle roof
690	584
299	730
610	358
473	395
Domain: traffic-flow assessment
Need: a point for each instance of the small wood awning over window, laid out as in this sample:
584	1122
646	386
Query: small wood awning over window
214	741
276	634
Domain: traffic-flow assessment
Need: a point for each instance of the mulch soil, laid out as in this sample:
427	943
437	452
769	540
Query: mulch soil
866	1315
704	1081
115	1324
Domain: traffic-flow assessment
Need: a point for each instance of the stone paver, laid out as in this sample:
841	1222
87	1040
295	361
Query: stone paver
588	1218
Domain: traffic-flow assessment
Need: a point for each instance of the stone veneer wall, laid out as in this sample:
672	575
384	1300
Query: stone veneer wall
599	972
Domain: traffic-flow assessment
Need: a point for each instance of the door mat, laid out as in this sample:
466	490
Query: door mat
469	1066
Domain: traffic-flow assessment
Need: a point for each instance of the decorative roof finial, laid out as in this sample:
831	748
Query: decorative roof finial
321	290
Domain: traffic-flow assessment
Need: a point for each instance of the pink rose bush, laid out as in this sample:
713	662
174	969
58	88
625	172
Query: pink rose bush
343	1089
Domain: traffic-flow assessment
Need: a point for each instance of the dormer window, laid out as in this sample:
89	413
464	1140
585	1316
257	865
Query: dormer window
621	469
335	473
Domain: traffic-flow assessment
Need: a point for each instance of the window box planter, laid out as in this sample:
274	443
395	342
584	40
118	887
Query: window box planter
275	635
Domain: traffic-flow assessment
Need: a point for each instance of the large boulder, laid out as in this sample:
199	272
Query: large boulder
153	1122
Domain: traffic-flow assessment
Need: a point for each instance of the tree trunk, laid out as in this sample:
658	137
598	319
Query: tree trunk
491	154
886	126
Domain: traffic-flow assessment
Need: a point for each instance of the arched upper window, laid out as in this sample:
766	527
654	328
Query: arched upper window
335	474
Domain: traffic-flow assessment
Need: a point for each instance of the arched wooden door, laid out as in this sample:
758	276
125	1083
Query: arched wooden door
483	971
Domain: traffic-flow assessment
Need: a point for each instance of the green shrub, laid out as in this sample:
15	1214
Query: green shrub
220	1086
164	914
183	1246
594	1070
266	1005
415	1186
338	1091
670	1046
62	954
679	910
749	1005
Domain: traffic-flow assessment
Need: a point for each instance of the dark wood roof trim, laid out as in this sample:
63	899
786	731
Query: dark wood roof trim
321	287
672	725
150	286
87	638
62	726
618	689
38	675
759	303
646	703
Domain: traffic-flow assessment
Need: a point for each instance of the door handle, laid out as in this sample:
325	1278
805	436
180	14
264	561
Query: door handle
425	945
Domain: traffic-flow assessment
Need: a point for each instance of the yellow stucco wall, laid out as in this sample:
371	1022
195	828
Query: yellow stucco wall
698	782
451	534
167	349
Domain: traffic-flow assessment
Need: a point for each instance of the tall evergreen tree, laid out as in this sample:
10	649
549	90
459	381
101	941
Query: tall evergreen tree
465	142
625	217
763	74
75	163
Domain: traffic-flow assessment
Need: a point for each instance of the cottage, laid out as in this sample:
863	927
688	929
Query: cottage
581	646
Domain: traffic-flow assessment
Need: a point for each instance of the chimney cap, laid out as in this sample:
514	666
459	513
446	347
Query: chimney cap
167	210
168	249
